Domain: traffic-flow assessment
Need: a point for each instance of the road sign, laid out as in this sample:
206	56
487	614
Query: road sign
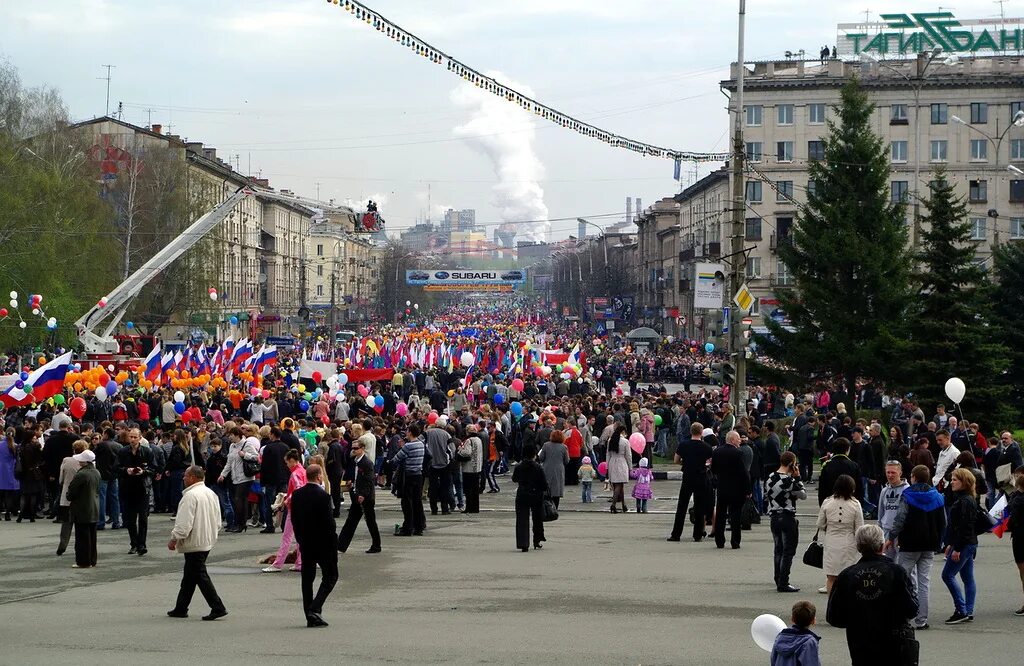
743	299
725	320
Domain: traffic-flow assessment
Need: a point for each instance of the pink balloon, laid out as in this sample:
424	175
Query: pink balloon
602	469
266	394
363	391
402	409
517	385
637	442
255	391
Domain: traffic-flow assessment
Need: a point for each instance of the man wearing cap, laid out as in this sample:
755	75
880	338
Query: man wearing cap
84	510
196	524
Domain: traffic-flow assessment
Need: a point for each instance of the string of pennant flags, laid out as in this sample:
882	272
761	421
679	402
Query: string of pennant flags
422	48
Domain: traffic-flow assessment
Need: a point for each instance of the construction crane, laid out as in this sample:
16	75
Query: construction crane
96	327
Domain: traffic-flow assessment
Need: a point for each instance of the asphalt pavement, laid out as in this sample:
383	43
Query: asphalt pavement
605	589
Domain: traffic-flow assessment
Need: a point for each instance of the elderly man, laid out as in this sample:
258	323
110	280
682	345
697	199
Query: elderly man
195	532
874	601
733	488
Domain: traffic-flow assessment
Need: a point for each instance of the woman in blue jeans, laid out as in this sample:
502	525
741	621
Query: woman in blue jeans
963	546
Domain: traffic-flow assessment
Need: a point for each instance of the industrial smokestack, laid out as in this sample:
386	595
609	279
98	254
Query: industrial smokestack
629	209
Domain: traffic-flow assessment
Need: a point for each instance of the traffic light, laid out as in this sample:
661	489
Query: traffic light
728	374
716	373
746	335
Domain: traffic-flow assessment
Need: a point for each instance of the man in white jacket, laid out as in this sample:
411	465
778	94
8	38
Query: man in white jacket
195	532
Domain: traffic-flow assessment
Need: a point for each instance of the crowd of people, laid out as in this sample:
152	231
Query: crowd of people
440	436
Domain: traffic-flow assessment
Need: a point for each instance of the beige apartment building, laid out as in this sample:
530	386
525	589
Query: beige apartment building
344	271
956	113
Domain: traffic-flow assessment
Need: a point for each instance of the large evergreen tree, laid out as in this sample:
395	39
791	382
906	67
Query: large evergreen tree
1008	322
950	332
848	260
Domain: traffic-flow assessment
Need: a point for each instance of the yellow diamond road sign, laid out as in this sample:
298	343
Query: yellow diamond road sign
744	299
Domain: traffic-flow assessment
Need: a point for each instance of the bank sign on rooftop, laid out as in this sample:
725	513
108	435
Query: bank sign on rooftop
909	34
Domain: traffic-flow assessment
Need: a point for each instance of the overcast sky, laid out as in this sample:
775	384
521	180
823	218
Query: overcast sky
310	95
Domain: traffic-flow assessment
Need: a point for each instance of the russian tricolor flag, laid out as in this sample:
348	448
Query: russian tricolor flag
167	363
46	381
152	363
242	353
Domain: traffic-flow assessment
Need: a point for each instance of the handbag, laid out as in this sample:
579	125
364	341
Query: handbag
814	556
1004	478
19	468
550	512
250	467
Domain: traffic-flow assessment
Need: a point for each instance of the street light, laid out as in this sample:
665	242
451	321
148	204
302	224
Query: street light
916	84
997	142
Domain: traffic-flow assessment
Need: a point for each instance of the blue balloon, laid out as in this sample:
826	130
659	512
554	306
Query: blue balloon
709	347
24	375
498	398
379	401
304	405
129	325
234	320
516	408
111	387
179	408
19	383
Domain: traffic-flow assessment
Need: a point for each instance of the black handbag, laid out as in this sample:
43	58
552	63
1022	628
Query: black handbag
550	512
250	467
814	556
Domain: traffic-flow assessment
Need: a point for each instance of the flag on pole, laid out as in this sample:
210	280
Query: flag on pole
46	381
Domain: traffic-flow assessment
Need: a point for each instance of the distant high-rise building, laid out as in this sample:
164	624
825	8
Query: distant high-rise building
460	220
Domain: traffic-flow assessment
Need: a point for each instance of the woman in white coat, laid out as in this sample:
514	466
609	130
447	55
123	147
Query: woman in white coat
839	517
620	462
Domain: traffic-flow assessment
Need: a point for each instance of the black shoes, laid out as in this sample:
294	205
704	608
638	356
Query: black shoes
143	551
672	538
133	551
177	613
957	618
215	614
1019	613
373	549
525	549
314	620
270	530
537	546
787	588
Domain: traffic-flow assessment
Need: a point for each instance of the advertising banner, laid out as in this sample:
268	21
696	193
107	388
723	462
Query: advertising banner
709	286
466	280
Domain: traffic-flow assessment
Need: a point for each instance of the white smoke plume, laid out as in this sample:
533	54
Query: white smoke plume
504	132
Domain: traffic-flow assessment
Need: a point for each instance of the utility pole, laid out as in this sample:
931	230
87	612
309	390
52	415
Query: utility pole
106	107
333	274
737	350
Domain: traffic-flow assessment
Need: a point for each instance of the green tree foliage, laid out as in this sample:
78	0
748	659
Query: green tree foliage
950	332
54	230
1008	322
847	258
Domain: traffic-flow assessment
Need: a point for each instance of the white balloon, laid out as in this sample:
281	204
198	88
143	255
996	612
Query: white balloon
764	629
14	294
110	368
955	389
332	381
14	303
408	303
179	396
467	359
101	393
213	295
22	325
35	311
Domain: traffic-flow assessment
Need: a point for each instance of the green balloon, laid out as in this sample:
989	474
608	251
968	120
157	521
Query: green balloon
657	419
59	399
28	388
307	396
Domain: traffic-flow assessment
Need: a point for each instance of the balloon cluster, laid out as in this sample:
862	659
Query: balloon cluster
35	302
213	294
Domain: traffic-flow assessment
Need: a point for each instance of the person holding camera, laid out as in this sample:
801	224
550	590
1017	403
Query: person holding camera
784	489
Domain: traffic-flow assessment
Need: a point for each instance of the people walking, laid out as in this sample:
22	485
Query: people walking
784	489
962	547
620	463
839	518
84	509
363	488
533	485
313	520
1015	506
554	457
297	478
196	524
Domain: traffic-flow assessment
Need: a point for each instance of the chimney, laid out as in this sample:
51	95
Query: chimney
262	182
210	153
629	209
157	129
194	147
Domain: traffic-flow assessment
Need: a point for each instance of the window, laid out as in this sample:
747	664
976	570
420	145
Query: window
1015	108
1017	191
319	271
978	191
812	187
753	228
899	151
320	250
783	277
979	113
940	114
1017	149
816	114
784	191
754	191
319	290
784	151
939	150
815	150
900	188
753	268
978	228
754	114
1016	228
754	151
979	149
785	114
898	114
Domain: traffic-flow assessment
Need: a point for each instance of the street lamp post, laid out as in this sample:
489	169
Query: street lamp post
997	143
398	264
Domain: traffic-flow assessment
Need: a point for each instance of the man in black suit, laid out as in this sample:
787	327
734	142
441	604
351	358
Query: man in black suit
362	502
733	488
335	469
693	455
837	465
313	522
274	475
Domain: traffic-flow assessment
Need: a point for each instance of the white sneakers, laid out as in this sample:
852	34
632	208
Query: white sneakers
271	569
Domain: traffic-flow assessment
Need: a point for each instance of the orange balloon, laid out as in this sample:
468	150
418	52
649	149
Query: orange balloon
184	374
78	387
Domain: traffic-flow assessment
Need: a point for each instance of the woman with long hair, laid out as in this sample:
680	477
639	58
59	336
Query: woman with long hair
839	517
9	484
30	454
963	546
620	463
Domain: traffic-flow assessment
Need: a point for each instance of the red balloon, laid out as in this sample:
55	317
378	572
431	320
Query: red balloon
324	419
104	379
78	407
3	312
318	376
431	417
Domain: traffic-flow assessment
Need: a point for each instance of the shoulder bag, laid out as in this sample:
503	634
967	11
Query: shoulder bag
550	512
814	556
